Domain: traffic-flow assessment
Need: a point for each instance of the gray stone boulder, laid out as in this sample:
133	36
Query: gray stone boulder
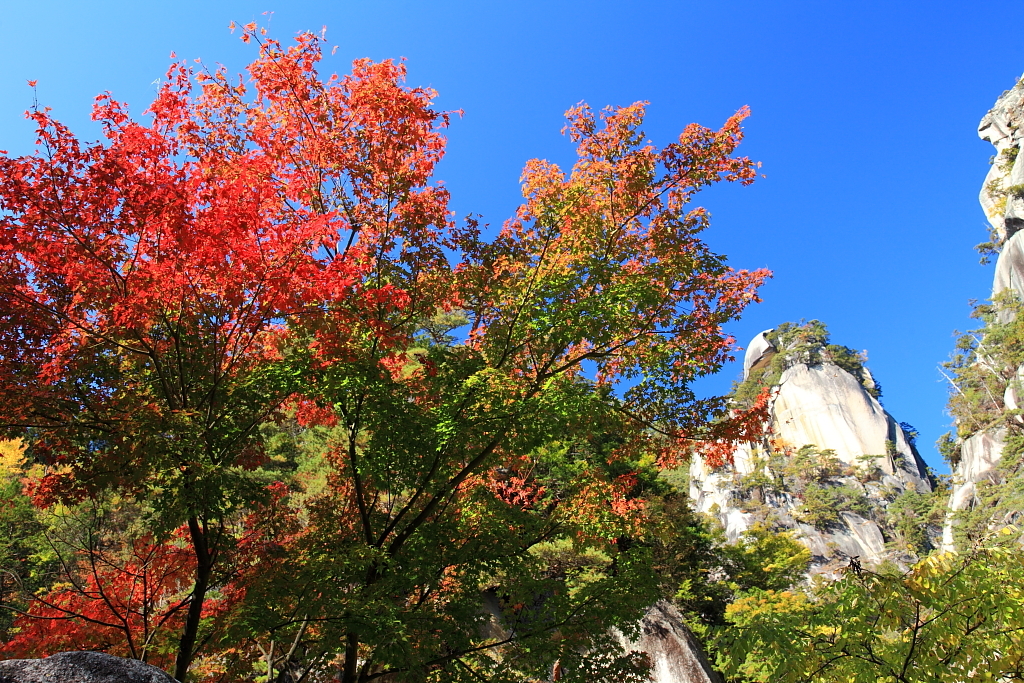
981	453
826	406
675	654
979	457
80	667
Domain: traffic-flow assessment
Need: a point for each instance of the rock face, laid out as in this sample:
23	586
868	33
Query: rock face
759	353
676	656
826	406
1002	198
1010	265
816	403
1002	127
80	667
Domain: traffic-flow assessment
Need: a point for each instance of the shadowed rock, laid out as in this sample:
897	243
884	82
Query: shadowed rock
676	656
80	667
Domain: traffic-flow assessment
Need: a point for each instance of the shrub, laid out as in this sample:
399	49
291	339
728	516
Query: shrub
822	504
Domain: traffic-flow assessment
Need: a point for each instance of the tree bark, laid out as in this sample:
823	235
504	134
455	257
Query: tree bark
204	569
349	673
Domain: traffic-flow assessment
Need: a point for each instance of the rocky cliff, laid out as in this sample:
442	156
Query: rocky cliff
987	374
838	470
835	461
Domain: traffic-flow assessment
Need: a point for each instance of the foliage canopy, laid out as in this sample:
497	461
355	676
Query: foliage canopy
273	382
950	618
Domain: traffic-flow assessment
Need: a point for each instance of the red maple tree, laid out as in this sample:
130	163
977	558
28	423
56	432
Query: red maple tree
275	245
126	601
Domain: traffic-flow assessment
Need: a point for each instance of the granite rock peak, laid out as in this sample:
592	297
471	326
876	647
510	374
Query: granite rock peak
834	459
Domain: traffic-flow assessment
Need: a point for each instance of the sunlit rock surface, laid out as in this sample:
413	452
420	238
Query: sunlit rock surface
1002	198
979	456
713	491
1010	265
825	406
1002	127
759	352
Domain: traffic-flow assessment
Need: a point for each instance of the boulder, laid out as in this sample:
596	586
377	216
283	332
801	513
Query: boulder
855	536
676	656
80	667
860	538
711	490
825	406
979	456
1013	395
1002	126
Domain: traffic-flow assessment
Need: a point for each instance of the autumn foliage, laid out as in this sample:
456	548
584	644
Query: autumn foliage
126	607
251	322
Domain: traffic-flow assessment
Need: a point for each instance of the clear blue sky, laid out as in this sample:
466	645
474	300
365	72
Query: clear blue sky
864	116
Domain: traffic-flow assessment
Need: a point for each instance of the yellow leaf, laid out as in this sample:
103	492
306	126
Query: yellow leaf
12	457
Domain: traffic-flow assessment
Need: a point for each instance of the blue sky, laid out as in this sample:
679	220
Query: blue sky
864	116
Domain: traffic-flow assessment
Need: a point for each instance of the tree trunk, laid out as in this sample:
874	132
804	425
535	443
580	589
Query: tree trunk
349	673
204	569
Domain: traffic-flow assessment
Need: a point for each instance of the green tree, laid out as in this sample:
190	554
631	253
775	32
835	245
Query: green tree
766	559
984	364
821	504
276	251
950	618
915	518
983	367
24	560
